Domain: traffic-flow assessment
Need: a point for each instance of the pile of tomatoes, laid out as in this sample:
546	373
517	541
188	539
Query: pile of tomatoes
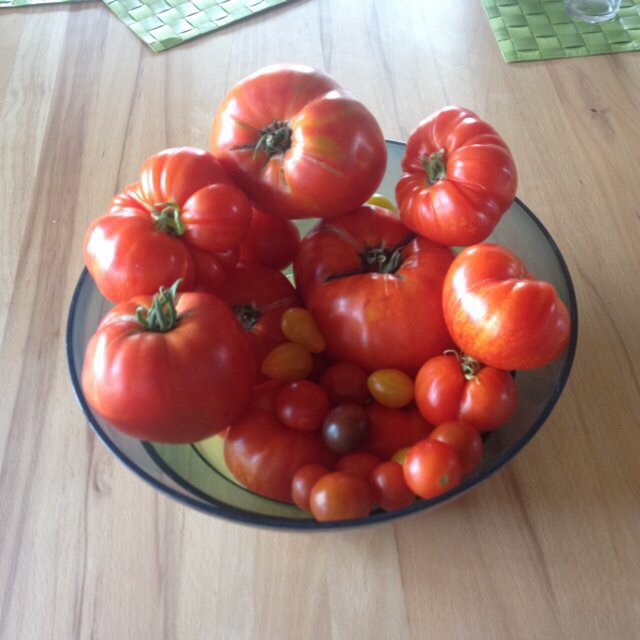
372	380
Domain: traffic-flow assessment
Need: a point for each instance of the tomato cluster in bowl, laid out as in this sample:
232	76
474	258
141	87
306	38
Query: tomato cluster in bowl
370	380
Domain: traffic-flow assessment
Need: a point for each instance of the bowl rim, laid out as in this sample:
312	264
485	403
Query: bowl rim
207	504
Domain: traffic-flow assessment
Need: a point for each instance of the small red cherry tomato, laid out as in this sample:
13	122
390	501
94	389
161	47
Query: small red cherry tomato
303	481
340	496
432	468
302	405
464	440
359	464
390	490
345	382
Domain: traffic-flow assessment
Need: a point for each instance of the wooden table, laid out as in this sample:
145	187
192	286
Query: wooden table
547	548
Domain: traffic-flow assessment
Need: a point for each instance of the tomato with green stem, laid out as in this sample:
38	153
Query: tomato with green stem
459	178
298	144
156	371
184	203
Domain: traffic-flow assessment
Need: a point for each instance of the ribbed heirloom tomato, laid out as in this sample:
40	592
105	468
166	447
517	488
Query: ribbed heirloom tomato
500	314
459	178
169	225
374	290
169	369
298	144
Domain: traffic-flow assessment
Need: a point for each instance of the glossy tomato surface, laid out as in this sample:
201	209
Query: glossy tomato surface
298	144
498	313
375	290
459	178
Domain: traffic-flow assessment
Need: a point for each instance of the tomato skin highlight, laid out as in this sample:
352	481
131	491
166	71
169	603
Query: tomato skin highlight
499	314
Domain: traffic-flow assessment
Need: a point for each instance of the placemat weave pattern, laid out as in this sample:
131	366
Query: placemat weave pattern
542	29
163	24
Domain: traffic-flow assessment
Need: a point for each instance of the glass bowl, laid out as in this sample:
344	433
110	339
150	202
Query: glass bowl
196	475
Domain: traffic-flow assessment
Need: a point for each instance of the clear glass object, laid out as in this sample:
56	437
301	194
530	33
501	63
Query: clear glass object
196	475
593	10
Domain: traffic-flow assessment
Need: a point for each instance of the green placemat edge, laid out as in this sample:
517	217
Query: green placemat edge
528	30
163	24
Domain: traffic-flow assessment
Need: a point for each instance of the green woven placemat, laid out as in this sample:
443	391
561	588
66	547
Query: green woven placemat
163	24
542	29
7	4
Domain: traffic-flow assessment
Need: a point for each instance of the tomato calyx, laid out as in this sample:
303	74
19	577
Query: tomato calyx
435	166
167	219
377	259
274	140
162	315
470	366
247	315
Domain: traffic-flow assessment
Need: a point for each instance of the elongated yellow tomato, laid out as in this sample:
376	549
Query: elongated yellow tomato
391	387
288	362
298	325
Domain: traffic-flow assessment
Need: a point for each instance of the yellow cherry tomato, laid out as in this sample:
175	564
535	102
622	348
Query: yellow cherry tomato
298	325
400	455
391	387
288	362
382	201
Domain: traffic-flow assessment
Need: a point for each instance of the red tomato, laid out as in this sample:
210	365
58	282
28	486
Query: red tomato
259	296
499	314
302	405
359	464
456	387
390	490
464	439
431	468
459	178
303	482
393	429
167	376
375	292
345	382
345	427
298	144
272	241
264	455
340	496
184	202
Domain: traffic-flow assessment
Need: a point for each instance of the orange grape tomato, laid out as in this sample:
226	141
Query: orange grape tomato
287	362
298	325
391	387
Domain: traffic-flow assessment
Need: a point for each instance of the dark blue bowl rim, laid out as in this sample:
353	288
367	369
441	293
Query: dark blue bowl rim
210	505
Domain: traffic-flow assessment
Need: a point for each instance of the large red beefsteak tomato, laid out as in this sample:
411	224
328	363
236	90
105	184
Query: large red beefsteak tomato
374	289
459	178
298	144
167	226
501	315
169	370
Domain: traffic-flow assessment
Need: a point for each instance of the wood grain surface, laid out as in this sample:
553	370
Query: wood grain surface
547	548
